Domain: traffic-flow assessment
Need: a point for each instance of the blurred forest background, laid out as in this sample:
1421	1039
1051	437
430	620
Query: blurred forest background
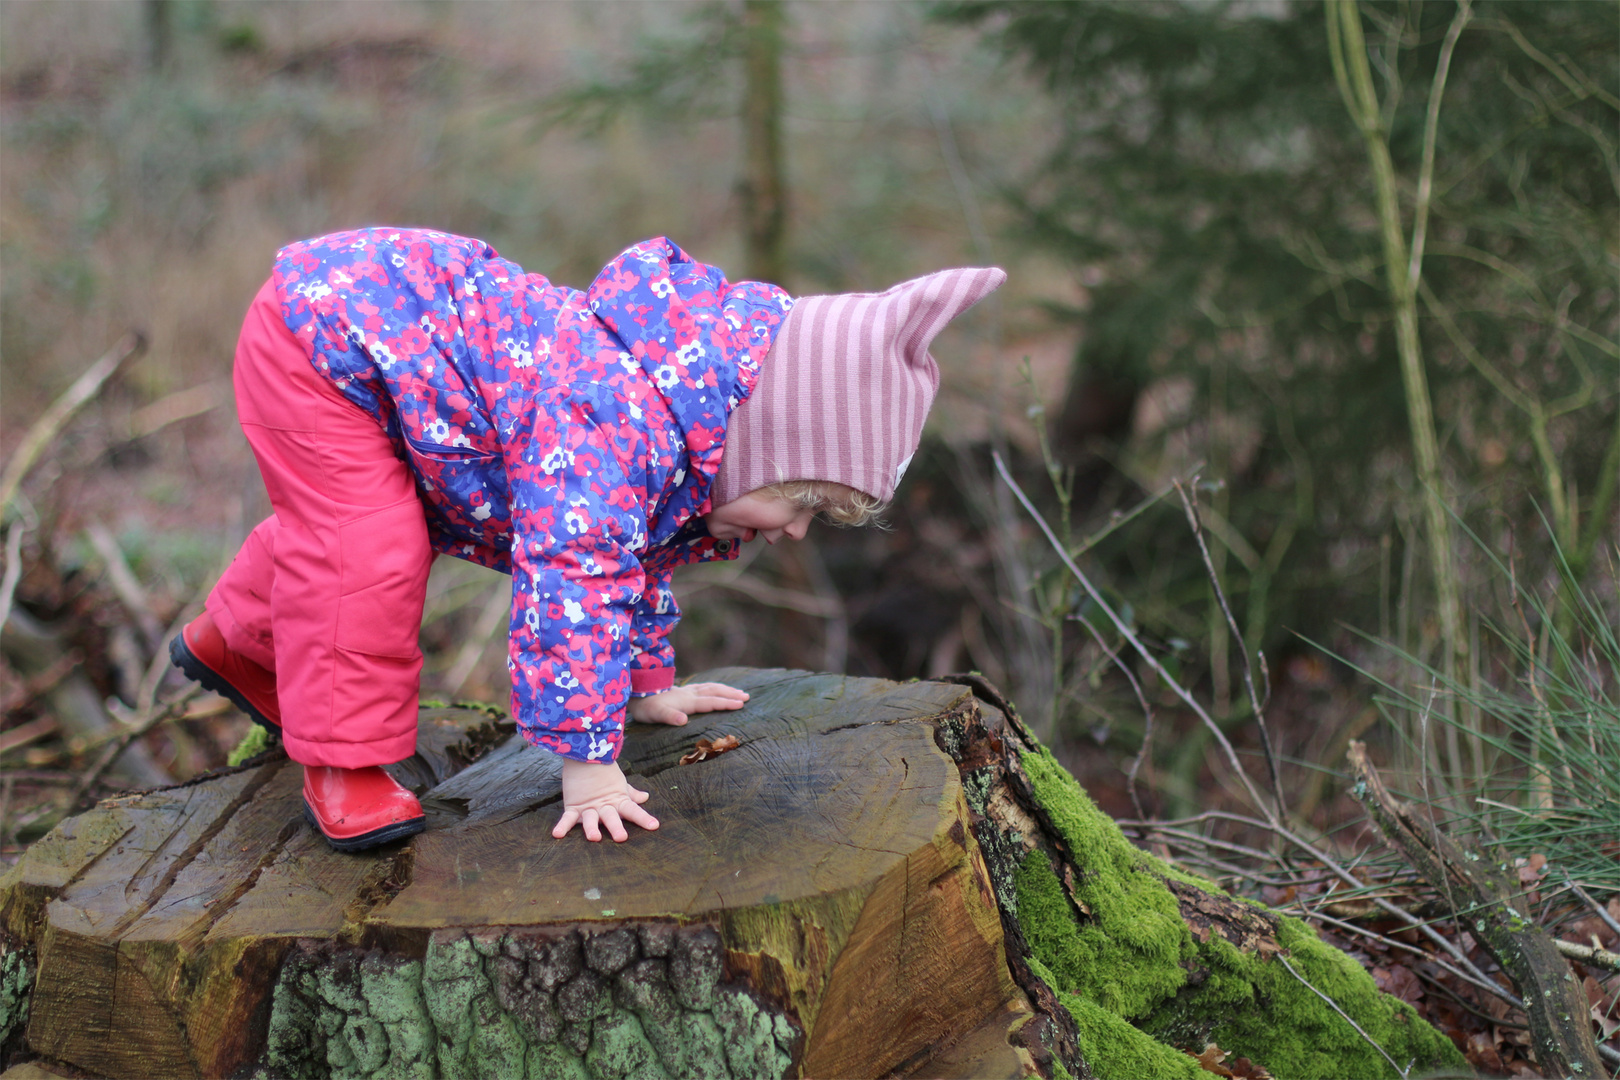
1351	281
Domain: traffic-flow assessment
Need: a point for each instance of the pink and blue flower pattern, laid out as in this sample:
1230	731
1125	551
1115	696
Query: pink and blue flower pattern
567	438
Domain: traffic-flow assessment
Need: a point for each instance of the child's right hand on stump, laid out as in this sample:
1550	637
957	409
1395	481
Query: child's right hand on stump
596	794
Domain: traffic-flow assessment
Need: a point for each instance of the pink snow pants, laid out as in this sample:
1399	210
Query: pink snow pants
327	592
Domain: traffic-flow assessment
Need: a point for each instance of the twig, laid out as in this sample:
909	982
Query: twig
180	405
8	584
1464	1004
24	734
1190	837
1554	1003
1190	505
1595	955
1487	985
41	683
787	599
1403	1073
170	709
1597	909
61	410
1338	871
1141	700
1129	635
131	593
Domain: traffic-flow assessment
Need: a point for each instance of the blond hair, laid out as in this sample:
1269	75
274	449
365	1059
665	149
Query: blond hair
838	503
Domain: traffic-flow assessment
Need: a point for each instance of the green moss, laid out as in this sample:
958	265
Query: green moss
1127	955
1086	828
256	741
1260	1010
1117	1051
1122	968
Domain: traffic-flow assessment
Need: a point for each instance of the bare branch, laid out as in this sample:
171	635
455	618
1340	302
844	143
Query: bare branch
61	410
1191	507
1259	801
1141	700
8	584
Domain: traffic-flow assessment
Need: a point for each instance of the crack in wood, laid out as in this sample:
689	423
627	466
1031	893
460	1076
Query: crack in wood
192	850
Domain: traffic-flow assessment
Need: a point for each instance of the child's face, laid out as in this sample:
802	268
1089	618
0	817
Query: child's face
758	514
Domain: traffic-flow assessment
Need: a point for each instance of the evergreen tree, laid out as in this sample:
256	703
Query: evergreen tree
1213	190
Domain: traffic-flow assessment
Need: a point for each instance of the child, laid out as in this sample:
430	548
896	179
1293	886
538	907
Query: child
408	393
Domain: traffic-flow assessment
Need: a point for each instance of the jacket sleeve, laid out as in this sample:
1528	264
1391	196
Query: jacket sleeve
652	657
576	584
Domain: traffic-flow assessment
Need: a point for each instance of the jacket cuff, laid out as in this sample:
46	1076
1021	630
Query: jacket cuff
644	681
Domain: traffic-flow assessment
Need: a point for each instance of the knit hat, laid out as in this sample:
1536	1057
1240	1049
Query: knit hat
844	391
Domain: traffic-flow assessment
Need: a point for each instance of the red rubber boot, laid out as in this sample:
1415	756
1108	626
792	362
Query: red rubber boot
200	652
357	809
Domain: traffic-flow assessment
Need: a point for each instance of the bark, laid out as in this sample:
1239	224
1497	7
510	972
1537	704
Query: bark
847	893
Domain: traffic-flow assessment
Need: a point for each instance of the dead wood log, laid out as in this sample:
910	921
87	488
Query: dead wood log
877	881
1484	898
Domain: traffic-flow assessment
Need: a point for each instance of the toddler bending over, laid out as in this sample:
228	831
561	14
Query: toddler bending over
409	393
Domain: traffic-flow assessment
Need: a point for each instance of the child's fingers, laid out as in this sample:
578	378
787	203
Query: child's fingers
637	794
715	689
569	818
590	819
634	814
717	703
666	713
615	827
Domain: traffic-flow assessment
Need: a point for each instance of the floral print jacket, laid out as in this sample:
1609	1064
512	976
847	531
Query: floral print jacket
568	438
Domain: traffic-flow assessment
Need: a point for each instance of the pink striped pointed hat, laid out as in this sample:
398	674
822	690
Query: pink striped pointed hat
845	389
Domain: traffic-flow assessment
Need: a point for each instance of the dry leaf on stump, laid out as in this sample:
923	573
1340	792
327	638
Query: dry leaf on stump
707	749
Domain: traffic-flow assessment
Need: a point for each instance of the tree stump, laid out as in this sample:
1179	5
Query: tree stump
881	879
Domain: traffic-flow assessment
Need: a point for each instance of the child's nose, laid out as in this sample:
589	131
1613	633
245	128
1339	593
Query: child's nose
798	529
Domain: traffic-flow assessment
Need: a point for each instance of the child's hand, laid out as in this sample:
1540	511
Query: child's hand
673	706
595	794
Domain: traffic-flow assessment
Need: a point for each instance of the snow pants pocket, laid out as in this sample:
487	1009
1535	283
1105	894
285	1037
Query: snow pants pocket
385	559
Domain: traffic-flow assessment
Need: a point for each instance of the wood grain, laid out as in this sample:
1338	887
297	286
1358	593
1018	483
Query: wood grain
844	923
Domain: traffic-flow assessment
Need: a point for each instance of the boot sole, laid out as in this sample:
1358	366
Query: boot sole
181	656
396	831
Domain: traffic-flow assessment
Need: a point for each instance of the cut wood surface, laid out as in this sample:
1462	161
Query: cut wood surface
880	879
813	902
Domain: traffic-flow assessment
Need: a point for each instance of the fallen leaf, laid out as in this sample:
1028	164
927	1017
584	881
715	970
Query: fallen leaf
1210	1060
707	749
1244	1069
1482	1055
1602	1008
1397	979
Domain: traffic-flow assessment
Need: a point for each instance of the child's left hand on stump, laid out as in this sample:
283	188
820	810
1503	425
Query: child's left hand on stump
597	794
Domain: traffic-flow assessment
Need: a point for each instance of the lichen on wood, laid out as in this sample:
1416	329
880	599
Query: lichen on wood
16	982
632	1001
